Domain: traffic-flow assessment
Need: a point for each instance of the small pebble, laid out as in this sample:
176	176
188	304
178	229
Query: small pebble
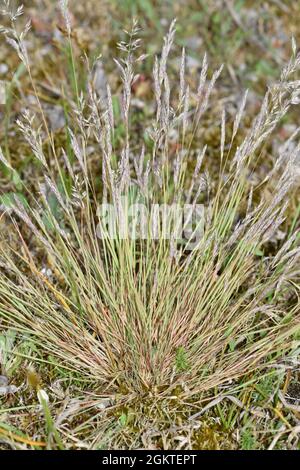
3	69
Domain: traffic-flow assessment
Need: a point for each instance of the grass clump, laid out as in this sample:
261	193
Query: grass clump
147	322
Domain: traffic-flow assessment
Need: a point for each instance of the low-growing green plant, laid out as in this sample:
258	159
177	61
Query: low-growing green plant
138	318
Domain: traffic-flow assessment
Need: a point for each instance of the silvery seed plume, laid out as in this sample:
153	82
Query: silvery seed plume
4	160
223	134
78	151
182	77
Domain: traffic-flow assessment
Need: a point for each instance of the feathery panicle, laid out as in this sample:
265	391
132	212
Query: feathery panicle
32	136
239	115
64	8
4	160
223	134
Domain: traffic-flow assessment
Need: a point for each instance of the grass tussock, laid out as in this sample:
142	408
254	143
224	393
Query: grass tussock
149	318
